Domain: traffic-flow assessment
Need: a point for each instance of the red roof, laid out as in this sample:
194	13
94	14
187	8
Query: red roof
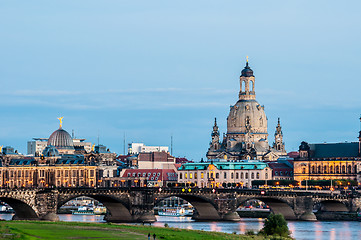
152	174
293	154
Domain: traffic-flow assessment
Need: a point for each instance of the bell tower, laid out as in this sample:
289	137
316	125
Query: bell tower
247	81
279	144
215	144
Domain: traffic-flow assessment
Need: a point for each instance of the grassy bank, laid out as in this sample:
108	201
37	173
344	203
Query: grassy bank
76	230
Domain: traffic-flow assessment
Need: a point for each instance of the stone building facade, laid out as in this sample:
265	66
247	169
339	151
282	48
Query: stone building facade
59	165
219	174
325	161
247	134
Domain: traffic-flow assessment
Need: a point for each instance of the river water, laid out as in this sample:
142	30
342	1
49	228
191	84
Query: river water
300	230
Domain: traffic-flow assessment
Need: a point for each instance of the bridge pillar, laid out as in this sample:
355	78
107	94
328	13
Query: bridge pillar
303	208
46	203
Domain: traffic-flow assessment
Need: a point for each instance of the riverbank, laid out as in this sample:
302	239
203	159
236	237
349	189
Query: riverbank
78	230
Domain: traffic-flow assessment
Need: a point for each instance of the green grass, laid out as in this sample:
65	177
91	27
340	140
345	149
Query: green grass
99	231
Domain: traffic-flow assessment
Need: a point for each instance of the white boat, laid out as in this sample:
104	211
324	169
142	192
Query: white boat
171	211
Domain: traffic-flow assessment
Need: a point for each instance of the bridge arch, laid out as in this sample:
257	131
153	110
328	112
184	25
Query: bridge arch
117	210
23	211
276	205
330	206
205	208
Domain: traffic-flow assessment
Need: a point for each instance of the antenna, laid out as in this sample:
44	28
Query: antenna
72	133
171	144
98	137
124	144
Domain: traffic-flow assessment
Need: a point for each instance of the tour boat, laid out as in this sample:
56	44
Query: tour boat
83	210
175	211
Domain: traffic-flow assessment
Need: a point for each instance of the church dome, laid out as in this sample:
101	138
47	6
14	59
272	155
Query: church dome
247	115
61	139
50	151
247	71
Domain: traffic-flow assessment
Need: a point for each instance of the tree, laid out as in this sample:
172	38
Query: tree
275	225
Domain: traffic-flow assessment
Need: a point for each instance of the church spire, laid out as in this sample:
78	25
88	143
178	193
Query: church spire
214	144
279	144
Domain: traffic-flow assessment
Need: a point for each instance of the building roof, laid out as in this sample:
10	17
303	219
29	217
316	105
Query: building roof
245	165
152	174
333	150
61	139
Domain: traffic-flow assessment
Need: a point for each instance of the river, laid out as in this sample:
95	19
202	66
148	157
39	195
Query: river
326	230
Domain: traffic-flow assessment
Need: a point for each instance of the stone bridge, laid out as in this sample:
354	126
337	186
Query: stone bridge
136	204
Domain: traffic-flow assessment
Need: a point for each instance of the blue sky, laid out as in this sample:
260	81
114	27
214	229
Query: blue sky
152	69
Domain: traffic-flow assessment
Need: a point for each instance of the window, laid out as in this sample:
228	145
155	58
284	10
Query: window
190	175
217	175
313	169
349	169
337	169
225	175
237	175
303	170
158	174
133	174
185	175
128	174
266	175
246	175
319	169
331	169
202	175
211	175
180	176
242	175
252	175
91	173
195	175
343	169
232	175
257	175
325	169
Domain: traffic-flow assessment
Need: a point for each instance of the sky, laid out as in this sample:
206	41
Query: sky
144	71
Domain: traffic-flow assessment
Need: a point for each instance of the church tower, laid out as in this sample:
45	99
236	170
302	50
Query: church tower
214	144
279	145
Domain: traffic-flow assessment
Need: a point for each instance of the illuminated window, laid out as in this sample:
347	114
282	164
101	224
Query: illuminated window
202	175
185	175
195	175
257	175
190	175
303	170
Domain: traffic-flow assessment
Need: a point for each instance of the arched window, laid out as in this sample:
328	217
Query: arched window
180	176
232	175
325	169
303	170
331	169
250	86
355	169
266	175
252	175
349	169
319	169
246	175
237	175
337	169
257	175
313	169
242	175
343	169
243	86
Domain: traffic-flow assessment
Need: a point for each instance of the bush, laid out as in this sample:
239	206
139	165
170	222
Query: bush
275	225
166	225
250	233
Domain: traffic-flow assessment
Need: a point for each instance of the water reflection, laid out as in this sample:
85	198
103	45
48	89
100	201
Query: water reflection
300	230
